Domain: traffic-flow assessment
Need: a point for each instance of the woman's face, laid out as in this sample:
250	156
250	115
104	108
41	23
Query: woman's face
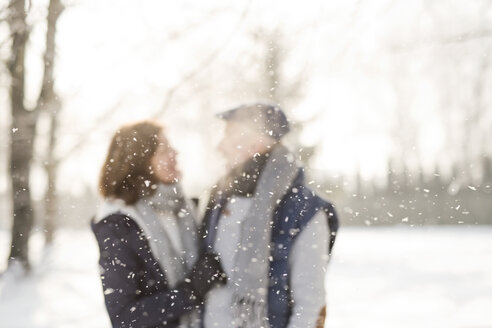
163	162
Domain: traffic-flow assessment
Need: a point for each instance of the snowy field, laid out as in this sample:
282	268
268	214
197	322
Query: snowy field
379	277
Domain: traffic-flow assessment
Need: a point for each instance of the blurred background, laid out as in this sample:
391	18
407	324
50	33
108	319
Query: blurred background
391	107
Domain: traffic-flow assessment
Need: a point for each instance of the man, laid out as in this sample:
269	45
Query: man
274	236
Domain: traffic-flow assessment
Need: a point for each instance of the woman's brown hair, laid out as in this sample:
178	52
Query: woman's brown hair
127	173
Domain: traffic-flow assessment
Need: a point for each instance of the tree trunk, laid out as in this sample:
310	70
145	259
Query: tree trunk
49	102
51	199
22	135
23	129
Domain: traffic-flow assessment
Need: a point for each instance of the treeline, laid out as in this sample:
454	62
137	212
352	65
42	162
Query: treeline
414	199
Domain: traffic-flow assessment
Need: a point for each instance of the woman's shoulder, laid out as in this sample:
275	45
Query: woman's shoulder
115	224
114	219
119	231
116	216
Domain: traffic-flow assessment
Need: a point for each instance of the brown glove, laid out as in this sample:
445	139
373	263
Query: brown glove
320	323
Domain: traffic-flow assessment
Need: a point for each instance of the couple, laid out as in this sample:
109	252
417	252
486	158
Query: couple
259	257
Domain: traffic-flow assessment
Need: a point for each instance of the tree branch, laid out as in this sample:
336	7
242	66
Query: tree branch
443	41
47	93
202	66
100	122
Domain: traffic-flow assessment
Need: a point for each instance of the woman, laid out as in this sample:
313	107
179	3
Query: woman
147	235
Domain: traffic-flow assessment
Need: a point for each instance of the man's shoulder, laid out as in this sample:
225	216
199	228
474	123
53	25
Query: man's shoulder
301	203
300	196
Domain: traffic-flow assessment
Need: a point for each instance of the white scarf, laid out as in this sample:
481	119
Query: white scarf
250	276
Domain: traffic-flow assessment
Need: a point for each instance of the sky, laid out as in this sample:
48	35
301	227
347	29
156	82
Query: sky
123	56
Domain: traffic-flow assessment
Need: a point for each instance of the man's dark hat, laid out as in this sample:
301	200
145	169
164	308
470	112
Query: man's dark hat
267	118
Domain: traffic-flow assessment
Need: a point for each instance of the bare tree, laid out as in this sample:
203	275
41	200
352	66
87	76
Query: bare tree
203	65
279	89
50	103
22	134
23	129
451	71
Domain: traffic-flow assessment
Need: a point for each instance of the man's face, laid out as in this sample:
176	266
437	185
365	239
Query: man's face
240	142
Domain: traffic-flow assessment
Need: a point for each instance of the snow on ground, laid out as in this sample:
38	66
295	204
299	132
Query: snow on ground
379	277
403	277
65	290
